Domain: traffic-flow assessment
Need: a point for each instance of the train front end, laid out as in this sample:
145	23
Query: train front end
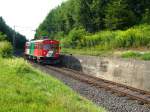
50	52
43	51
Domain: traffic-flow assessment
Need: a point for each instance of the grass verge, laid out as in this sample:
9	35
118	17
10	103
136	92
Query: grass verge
136	55
25	89
87	51
109	53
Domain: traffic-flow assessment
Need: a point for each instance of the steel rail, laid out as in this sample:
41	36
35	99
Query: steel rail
123	90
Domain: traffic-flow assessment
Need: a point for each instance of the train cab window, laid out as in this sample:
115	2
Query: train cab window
50	46
47	47
36	46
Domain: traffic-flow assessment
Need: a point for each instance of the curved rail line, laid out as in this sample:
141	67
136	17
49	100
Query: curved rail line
122	90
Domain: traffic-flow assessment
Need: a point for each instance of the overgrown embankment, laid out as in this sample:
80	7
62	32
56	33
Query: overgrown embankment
135	37
107	42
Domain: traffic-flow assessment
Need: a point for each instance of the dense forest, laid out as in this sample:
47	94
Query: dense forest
94	16
98	25
7	33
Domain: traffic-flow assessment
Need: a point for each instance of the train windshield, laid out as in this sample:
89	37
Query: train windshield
50	46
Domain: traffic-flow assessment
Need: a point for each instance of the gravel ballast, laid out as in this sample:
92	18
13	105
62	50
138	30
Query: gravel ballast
99	96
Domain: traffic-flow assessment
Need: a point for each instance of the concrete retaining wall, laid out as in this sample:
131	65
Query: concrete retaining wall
126	71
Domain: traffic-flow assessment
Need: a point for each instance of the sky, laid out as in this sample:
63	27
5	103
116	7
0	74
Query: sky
26	15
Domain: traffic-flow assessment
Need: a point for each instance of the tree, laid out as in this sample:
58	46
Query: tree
93	15
8	34
97	11
146	16
118	15
138	7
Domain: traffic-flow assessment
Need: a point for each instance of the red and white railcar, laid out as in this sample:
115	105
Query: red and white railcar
43	51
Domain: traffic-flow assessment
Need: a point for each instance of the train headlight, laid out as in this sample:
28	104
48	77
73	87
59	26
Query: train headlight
44	52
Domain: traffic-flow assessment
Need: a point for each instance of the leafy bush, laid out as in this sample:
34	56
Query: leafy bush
66	42
146	56
75	38
2	36
5	49
102	39
133	37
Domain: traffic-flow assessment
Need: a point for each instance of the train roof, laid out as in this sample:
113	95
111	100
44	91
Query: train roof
43	40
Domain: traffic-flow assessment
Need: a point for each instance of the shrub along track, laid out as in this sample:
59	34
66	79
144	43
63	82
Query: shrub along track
132	95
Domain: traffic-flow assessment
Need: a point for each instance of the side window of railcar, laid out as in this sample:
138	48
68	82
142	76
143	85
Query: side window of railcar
40	46
35	46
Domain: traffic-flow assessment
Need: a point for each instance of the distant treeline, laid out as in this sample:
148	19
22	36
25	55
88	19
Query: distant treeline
94	16
7	33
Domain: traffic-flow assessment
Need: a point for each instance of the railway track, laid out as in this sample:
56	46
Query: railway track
122	90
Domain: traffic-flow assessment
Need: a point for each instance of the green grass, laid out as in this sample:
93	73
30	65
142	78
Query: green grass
145	56
26	89
131	54
109	53
87	51
136	55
